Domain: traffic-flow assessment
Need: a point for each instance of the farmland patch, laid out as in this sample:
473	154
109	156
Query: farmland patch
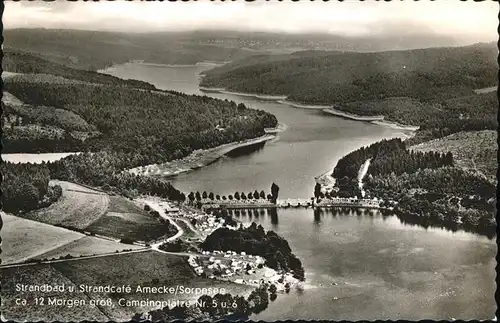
24	239
78	207
86	246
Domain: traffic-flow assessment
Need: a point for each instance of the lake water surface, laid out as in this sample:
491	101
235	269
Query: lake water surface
357	266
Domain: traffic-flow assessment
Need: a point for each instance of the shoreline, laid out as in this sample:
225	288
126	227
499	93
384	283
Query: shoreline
331	110
253	95
303	106
197	159
282	99
140	62
280	127
396	125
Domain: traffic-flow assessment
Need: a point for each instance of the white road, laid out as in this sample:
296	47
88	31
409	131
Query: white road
361	174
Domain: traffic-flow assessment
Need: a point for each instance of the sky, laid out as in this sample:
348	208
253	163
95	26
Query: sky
470	20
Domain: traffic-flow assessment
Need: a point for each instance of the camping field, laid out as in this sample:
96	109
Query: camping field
97	212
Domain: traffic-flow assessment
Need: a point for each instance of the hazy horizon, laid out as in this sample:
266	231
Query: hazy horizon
465	22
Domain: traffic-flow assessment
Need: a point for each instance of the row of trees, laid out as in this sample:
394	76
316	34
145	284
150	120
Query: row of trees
255	241
238	196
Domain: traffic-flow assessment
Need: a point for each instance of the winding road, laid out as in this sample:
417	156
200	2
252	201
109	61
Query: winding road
157	207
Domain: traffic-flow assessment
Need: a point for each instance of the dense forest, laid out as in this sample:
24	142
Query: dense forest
467	113
25	187
422	188
447	196
176	123
386	156
255	241
431	74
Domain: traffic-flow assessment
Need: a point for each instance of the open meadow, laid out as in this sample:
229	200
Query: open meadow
24	239
78	207
95	211
127	219
86	246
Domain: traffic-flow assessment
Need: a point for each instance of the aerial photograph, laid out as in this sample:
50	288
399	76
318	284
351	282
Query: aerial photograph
249	160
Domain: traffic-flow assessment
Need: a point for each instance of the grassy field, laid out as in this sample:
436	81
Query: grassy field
24	239
126	219
86	246
97	212
473	150
78	207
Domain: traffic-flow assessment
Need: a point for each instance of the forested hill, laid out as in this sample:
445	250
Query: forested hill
26	63
65	109
424	74
94	50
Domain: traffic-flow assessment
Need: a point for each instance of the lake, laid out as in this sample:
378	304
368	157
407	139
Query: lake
357	266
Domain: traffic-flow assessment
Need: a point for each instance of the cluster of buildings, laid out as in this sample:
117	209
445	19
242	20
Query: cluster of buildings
194	264
227	264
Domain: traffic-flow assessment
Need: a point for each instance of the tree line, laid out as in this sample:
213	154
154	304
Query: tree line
237	196
25	187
